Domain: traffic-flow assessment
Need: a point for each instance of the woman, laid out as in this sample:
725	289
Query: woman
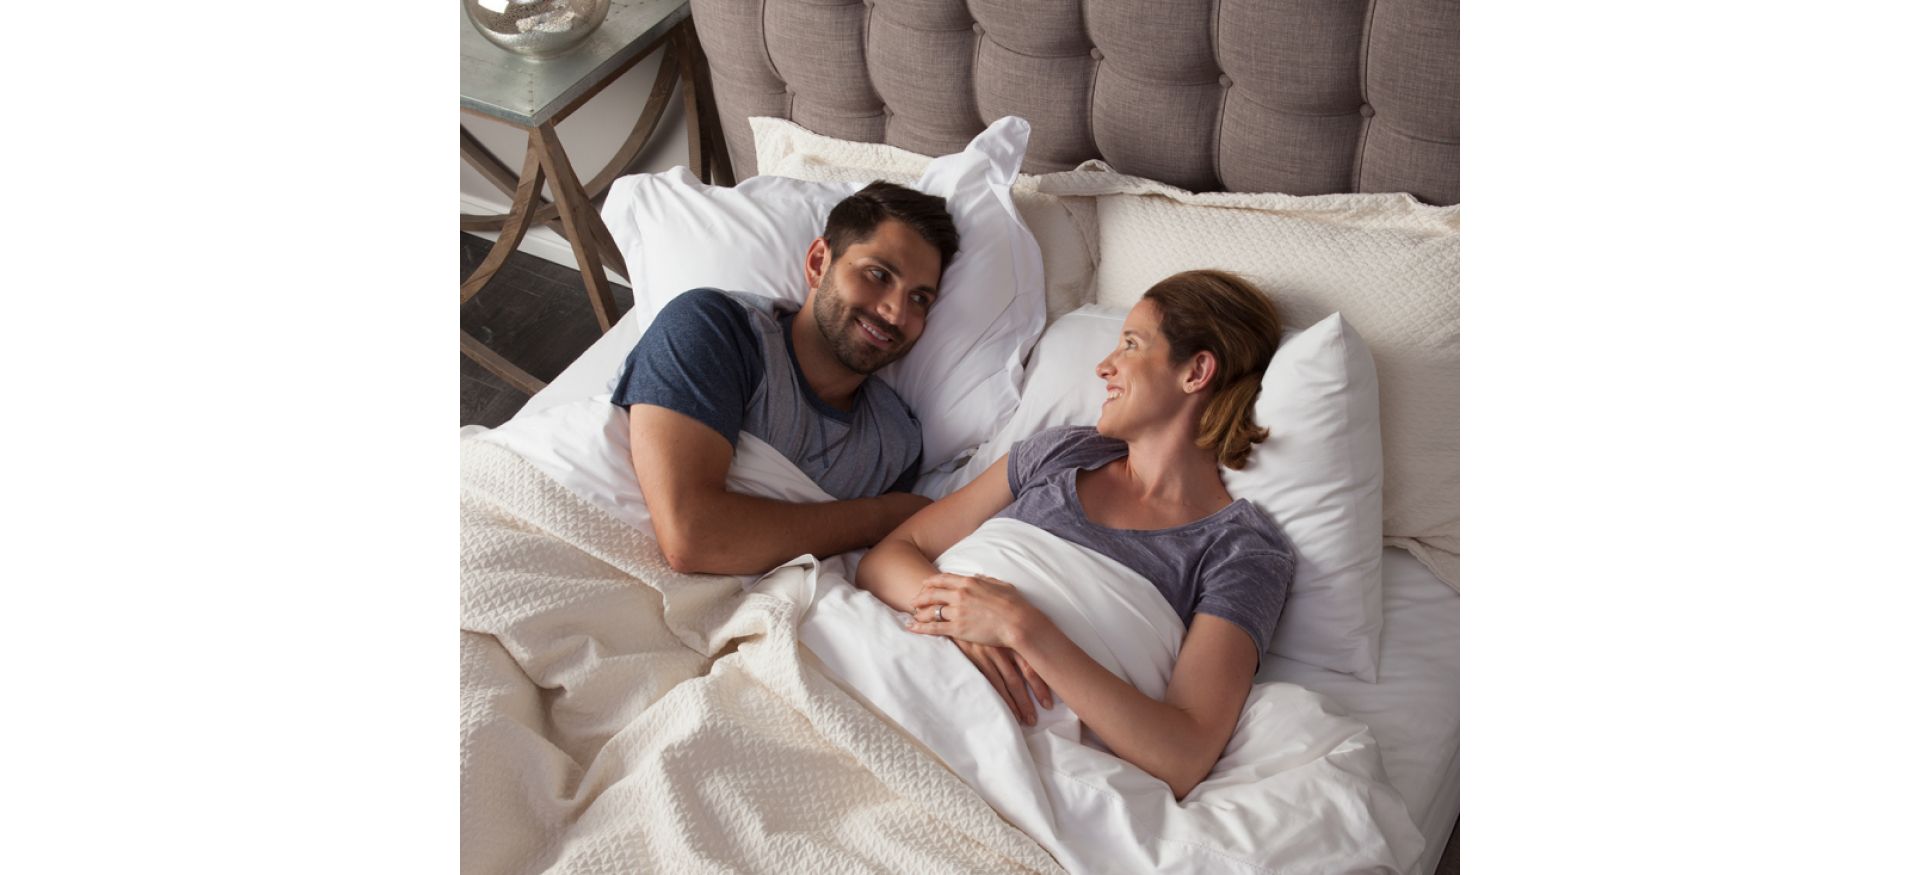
1142	487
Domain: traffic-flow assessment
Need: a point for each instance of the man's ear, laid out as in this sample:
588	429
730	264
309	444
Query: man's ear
819	257
1200	372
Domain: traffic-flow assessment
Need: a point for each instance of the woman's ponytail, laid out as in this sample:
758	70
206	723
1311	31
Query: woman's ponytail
1227	425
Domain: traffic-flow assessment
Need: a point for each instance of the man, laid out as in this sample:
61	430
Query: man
715	364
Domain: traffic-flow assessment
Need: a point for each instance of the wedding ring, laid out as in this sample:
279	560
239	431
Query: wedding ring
939	615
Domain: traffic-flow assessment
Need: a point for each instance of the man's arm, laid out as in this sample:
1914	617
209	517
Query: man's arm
682	464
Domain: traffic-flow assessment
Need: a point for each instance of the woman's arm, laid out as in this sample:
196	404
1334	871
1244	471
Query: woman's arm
1177	741
896	568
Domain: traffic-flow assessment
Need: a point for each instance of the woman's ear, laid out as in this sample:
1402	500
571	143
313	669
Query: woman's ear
819	257
1200	372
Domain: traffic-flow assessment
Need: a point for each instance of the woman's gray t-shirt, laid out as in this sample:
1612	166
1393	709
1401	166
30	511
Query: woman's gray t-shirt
1234	564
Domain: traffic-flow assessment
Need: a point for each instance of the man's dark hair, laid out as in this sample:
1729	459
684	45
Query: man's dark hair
853	220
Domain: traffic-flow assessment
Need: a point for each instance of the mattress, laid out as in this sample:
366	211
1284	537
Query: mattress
1414	709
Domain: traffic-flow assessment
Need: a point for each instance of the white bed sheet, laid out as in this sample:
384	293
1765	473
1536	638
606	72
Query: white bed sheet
593	372
1414	709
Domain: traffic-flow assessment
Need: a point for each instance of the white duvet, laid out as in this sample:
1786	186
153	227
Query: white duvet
1298	789
616	715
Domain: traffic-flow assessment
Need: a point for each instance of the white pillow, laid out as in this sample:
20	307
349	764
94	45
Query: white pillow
583	445
1060	388
1388	263
1063	226
1318	473
962	379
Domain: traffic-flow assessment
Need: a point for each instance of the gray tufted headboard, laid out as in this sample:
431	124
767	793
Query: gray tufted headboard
1295	96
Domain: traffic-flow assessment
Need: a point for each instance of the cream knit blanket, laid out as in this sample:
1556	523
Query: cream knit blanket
616	716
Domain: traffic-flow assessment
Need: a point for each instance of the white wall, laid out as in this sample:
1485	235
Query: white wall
590	135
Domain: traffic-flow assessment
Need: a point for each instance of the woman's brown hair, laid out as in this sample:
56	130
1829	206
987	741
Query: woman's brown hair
1220	313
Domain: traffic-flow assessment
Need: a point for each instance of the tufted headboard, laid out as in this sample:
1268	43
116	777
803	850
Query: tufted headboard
1295	96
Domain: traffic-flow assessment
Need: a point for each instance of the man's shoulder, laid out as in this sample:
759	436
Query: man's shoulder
887	403
764	307
702	303
713	316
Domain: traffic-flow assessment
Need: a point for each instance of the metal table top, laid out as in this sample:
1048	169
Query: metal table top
527	92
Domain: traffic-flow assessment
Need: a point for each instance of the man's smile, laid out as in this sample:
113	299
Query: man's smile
879	335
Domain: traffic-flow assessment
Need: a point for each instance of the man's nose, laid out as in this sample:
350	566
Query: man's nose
892	303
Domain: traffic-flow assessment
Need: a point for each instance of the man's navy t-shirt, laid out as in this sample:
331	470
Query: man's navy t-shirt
726	359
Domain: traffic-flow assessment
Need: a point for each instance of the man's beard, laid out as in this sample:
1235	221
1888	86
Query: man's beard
846	339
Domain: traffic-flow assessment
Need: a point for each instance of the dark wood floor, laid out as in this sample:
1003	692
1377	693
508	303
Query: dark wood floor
536	314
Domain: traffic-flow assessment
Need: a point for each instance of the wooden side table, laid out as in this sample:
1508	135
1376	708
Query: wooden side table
534	96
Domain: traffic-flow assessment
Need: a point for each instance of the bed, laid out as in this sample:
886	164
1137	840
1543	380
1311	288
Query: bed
1189	118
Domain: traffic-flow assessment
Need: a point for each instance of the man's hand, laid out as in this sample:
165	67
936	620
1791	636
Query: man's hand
1012	678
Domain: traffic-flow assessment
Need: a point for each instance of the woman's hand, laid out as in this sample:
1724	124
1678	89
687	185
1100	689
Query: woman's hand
984	617
977	609
1012	678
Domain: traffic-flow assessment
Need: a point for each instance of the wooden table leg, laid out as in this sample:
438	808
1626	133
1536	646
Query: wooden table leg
526	196
499	365
622	163
494	170
482	159
575	207
697	160
578	215
549	214
712	139
517	223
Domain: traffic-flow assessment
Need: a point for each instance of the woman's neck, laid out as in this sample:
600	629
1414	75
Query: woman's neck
1166	467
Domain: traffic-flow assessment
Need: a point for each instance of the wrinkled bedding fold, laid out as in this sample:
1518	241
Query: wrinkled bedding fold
619	716
1300	787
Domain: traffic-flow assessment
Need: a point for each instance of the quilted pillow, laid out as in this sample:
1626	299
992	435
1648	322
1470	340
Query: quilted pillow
1386	262
962	378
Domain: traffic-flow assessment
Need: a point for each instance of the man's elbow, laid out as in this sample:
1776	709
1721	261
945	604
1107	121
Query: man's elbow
682	560
684	551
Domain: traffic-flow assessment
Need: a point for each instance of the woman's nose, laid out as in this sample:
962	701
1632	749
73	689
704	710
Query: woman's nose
1104	368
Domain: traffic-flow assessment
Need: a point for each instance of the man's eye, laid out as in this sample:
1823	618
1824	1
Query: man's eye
878	275
920	299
